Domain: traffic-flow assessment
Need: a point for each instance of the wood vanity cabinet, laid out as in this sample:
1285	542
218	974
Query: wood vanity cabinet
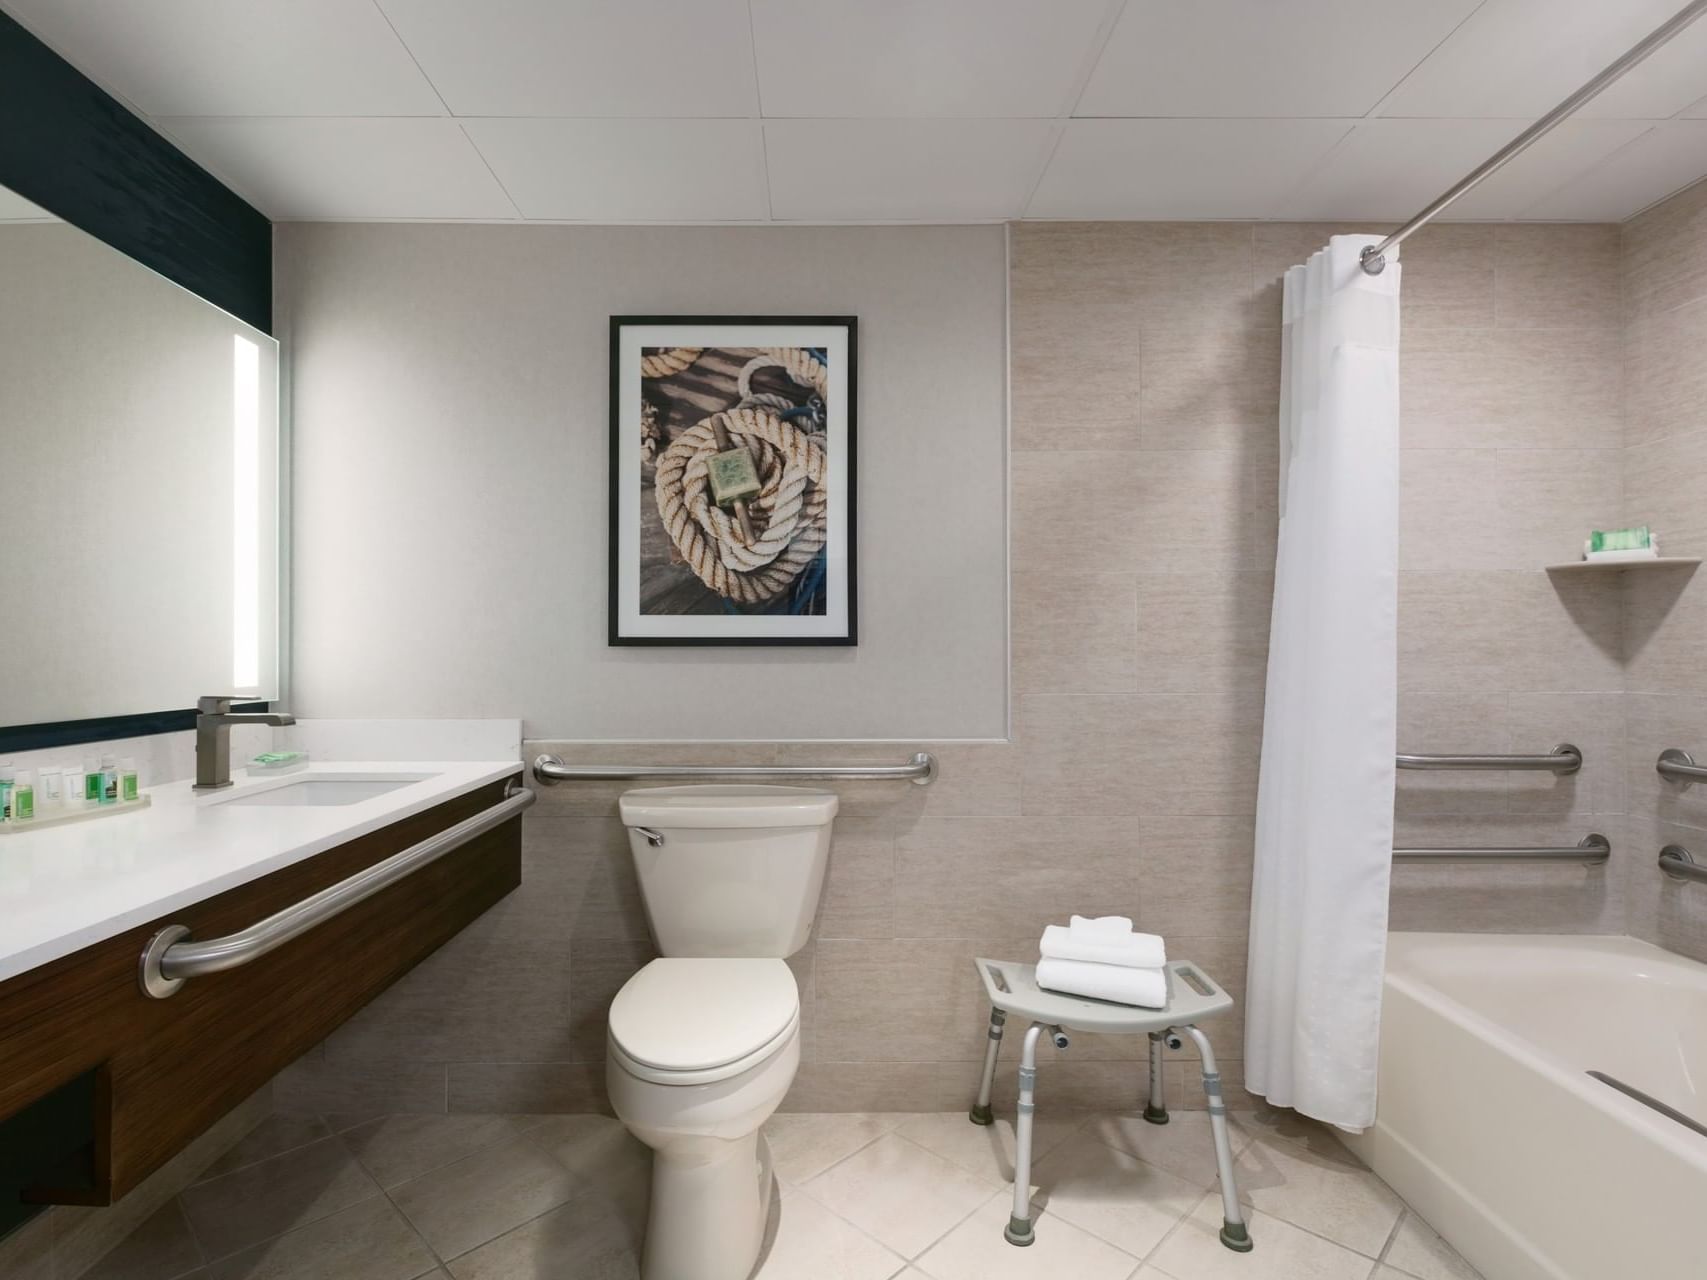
164	1070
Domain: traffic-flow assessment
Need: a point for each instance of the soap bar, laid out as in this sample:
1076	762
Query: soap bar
732	476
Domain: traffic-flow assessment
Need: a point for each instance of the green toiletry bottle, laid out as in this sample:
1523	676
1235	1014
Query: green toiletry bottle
109	780
8	780
91	781
127	780
24	797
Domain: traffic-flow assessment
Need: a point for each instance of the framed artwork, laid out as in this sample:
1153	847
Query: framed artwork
732	480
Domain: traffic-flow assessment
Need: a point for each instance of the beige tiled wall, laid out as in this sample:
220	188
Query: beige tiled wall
1144	473
1665	612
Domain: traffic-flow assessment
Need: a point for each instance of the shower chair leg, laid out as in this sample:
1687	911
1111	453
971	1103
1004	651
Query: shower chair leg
1234	1233
1019	1231
1156	1109
980	1113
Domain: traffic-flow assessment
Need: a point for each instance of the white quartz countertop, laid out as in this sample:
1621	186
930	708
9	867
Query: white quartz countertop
63	888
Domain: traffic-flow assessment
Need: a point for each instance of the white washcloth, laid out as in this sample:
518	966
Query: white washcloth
1101	926
1133	950
1147	988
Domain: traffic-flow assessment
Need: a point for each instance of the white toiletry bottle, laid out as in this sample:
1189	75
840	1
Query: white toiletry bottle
8	780
128	789
24	797
47	790
74	787
109	780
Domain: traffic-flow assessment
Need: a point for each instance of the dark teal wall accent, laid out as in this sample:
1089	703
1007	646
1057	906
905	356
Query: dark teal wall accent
78	152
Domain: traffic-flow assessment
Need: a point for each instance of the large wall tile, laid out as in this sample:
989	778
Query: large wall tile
1203	632
1454	631
1657	722
1077	511
1669	913
1657	488
859	888
1075	370
1451	724
1665	265
1196	880
1665	372
1564	633
904	999
1511	389
1665	631
1449	511
1212	390
1547	501
1074	632
1556	277
1594	723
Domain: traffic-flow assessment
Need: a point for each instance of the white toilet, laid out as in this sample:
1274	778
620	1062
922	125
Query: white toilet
705	1041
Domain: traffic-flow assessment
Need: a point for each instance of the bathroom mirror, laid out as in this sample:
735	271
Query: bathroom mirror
139	485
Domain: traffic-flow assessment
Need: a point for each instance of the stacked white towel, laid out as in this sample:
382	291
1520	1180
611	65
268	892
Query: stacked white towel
1105	959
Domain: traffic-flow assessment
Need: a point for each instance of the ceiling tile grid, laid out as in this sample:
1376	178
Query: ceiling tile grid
853	111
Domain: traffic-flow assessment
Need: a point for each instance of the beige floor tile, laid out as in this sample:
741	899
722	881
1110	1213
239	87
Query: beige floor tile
1417	1250
977	1250
162	1248
1330	1194
582	1239
483	1195
986	1150
811	1243
1183	1147
369	1241
899	1193
1113	1194
272	1137
607	1162
398	1148
804	1144
275	1196
1283	1252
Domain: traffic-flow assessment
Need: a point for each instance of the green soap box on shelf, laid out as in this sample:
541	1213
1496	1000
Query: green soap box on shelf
1637	539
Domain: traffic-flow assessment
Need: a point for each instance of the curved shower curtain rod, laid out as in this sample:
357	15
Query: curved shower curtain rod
1374	257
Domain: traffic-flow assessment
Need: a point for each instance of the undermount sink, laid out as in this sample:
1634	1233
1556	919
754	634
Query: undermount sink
324	790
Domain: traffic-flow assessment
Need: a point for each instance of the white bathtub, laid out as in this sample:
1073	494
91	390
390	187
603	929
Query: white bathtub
1489	1125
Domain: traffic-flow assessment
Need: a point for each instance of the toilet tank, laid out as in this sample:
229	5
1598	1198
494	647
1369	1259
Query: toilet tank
730	870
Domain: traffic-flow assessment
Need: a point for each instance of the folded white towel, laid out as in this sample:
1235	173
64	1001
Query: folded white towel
1134	950
1147	988
1101	926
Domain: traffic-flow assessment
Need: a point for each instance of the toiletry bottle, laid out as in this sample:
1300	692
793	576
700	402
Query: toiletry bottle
91	780
109	780
74	787
127	780
8	780
47	790
24	797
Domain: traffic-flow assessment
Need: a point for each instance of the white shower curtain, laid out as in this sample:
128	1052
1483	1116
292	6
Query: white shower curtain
1324	834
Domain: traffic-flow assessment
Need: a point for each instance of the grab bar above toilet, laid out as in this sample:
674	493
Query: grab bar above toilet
1563	758
921	770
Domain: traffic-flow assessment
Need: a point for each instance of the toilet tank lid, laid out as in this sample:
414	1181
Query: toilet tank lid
727	806
693	1014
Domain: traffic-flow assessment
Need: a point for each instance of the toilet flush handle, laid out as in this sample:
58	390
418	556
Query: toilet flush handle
653	838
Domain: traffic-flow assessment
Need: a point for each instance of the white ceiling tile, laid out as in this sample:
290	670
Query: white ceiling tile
1385	170
994	58
1520	58
1263	58
1667	158
927	170
14	208
353	168
641	58
1664	83
218	58
628	170
1572	148
1150	169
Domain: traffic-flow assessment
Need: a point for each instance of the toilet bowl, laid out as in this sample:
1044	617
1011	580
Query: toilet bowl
701	1052
704	1042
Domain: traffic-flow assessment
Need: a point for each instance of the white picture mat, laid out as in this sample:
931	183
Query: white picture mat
833	624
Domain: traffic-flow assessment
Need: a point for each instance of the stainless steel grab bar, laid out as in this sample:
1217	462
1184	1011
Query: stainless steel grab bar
1563	758
1592	850
1679	766
167	960
1680	864
921	769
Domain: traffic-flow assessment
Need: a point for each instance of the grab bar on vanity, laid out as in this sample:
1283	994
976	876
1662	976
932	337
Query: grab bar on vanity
167	960
1677	765
1680	864
1563	758
921	769
1592	850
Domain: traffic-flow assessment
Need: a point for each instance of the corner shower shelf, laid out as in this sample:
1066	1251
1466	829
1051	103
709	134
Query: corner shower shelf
1623	566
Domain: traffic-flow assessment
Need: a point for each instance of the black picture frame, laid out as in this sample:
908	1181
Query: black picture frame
840	423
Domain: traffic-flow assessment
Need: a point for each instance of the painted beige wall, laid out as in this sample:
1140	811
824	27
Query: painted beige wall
1144	468
449	390
1665	613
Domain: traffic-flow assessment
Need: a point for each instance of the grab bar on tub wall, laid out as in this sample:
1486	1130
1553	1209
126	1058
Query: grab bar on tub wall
1677	765
1592	850
921	769
1680	864
168	960
1563	758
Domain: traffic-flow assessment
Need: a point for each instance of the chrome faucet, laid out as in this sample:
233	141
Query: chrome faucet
214	719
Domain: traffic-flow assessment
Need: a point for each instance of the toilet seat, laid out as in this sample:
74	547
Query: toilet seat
701	1020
